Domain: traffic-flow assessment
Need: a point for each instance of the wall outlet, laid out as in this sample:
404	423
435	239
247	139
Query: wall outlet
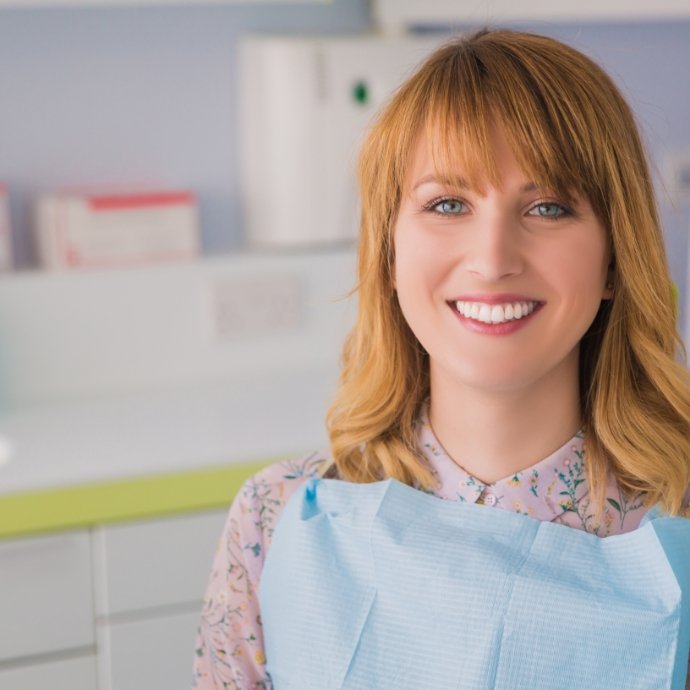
256	305
678	176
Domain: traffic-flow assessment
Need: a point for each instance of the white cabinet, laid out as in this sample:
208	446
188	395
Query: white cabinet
46	595
154	563
150	579
114	608
155	653
68	674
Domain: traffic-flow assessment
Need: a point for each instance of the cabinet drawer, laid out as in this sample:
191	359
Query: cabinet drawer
155	563
46	595
155	654
70	674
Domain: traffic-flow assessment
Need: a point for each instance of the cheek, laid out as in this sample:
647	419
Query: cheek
420	255
593	264
579	272
404	251
413	275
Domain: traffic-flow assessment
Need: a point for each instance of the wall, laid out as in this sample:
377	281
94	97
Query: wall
110	95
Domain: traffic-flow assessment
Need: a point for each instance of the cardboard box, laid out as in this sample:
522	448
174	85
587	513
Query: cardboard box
116	230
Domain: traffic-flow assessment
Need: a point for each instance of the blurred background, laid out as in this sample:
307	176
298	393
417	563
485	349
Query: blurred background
177	227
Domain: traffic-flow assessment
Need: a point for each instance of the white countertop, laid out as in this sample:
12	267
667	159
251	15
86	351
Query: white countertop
160	431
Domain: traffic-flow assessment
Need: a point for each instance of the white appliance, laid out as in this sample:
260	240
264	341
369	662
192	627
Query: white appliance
305	105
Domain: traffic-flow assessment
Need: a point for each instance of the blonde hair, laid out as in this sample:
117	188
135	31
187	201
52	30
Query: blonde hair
572	131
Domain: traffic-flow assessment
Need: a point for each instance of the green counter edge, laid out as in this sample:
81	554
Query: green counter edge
83	506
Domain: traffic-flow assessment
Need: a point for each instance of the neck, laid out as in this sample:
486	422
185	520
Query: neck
493	435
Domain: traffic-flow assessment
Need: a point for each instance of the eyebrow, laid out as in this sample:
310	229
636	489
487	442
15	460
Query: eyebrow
461	183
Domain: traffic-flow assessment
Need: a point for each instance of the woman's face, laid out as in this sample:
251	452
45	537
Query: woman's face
498	285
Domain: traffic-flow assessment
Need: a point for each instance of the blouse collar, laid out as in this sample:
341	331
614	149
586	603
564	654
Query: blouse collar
544	491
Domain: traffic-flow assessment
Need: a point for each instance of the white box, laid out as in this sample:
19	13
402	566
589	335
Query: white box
121	229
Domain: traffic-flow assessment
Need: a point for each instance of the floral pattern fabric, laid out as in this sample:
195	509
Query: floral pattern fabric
229	652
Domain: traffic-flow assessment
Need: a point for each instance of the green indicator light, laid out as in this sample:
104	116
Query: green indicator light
360	92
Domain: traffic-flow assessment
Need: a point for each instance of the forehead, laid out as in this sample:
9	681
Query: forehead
493	163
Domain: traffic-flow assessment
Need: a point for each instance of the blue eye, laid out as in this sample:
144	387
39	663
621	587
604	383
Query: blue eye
448	207
549	210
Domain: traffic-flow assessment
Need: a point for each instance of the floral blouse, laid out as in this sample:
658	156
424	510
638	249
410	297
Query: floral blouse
229	652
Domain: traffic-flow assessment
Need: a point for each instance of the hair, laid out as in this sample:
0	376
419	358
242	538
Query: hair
573	132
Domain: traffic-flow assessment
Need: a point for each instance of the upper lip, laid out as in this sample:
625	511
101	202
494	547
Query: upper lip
493	298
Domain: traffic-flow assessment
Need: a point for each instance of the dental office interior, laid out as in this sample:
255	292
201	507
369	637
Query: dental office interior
178	218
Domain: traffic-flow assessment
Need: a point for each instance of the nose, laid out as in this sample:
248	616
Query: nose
495	250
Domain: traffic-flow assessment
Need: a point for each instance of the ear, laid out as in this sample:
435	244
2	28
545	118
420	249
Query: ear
391	274
608	287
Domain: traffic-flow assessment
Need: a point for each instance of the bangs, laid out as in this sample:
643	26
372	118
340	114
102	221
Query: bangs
542	106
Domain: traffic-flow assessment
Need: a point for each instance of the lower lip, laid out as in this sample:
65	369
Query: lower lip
505	328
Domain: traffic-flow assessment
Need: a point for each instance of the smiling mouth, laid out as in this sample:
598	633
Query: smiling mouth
495	313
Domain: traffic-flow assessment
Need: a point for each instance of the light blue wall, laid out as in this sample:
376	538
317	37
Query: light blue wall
110	95
148	94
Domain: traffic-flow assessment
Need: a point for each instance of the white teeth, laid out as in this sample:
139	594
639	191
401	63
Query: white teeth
495	313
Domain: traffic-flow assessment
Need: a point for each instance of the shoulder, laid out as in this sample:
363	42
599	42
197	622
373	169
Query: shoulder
261	499
230	649
623	513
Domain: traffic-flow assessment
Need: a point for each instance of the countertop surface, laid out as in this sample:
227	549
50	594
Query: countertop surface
133	455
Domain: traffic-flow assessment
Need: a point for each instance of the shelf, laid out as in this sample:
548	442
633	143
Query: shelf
401	13
18	4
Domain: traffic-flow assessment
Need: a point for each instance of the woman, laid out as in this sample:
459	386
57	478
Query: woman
515	354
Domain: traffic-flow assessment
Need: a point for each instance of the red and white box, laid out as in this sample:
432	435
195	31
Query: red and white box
117	229
5	231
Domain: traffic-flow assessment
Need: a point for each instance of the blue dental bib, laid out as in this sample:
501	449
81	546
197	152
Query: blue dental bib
383	587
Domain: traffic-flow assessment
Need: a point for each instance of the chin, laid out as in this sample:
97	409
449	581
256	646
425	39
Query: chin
490	378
